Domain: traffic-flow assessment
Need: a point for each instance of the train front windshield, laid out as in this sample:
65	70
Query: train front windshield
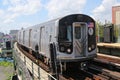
65	34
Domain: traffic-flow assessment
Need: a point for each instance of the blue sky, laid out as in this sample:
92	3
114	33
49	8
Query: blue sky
15	14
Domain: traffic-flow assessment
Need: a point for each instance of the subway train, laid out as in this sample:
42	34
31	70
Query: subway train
73	36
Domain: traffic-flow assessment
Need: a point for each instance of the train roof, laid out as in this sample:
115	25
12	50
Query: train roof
53	20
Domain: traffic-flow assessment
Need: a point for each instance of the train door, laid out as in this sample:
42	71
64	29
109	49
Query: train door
80	38
23	37
42	39
19	38
30	37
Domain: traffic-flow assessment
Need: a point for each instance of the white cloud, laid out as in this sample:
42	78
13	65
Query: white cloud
9	18
117	4
5	2
104	10
58	8
25	7
11	10
1	12
16	8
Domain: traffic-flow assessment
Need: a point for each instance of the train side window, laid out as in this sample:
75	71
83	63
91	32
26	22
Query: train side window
20	36
30	37
40	37
77	32
50	36
23	37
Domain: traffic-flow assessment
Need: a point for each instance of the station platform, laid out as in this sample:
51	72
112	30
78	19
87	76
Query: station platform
109	48
109	45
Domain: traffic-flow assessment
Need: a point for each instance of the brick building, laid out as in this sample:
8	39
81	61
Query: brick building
116	21
116	15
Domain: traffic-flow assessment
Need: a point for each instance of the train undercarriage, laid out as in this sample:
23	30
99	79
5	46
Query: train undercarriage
57	65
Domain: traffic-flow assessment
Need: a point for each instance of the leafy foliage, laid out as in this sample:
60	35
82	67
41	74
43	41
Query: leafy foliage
6	63
99	29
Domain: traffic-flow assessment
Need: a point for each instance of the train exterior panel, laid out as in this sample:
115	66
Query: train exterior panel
73	35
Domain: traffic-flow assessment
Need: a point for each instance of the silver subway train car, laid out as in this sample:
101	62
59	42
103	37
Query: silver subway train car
73	35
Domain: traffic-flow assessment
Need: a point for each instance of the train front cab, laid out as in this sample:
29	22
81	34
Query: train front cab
76	38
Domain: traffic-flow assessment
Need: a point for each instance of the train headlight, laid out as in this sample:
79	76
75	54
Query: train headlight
89	48
68	50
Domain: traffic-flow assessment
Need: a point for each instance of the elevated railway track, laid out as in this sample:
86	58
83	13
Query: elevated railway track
30	68
111	59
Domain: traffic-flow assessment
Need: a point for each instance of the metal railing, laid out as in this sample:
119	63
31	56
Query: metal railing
29	69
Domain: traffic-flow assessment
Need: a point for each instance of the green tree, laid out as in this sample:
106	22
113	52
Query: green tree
99	30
